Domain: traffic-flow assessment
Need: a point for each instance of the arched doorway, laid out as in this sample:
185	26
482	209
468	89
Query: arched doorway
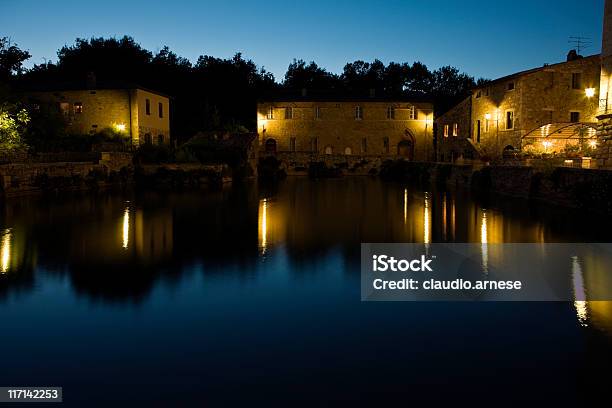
329	150
405	149
348	151
270	146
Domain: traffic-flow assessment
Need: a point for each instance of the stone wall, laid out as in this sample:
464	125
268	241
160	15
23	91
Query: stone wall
337	129
299	163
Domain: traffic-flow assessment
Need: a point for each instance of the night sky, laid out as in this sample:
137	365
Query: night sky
483	38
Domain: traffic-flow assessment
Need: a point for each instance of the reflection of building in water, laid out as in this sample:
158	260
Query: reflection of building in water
153	235
147	235
271	221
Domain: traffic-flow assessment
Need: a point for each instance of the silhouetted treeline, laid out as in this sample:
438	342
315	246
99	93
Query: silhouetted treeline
216	93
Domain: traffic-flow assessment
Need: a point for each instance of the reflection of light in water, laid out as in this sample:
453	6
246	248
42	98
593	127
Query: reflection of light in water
263	224
405	206
444	217
484	241
426	221
453	218
579	292
126	227
6	250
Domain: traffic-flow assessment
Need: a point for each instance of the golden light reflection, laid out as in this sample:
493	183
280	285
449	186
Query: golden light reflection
484	239
126	227
426	220
444	217
263	224
453	218
580	303
6	251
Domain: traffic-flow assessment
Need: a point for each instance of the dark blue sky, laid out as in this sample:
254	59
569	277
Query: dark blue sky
483	38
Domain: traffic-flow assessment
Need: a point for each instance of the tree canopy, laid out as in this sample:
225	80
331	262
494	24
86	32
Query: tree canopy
216	93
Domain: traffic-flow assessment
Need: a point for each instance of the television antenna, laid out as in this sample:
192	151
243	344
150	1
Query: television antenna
580	43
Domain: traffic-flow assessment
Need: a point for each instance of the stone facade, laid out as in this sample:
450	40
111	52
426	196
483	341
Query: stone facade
504	111
604	128
142	115
363	127
454	133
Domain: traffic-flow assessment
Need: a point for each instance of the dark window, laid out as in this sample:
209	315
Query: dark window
270	113
160	108
477	131
509	120
574	117
147	138
292	144
478	94
510	86
364	145
386	145
289	113
160	139
390	112
576	80
147	106
78	107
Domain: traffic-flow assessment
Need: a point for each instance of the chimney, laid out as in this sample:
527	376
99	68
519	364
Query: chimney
91	80
573	56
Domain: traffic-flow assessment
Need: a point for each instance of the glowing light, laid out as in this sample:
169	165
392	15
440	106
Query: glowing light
484	238
426	221
5	250
488	116
580	303
126	227
593	144
589	92
444	228
263	224
120	127
546	144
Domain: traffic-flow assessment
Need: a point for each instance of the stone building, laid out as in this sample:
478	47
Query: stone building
604	154
332	126
142	115
543	109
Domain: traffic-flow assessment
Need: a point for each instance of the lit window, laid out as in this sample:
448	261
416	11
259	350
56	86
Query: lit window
446	130
288	112
576	80
270	113
147	106
509	120
64	108
317	112
574	117
455	129
358	113
160	108
78	107
390	112
414	115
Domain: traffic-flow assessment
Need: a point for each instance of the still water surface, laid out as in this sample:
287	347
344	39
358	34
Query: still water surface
253	294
